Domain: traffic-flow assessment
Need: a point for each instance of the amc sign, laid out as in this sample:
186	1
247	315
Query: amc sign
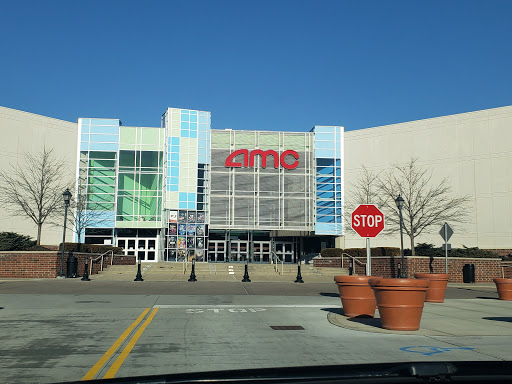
248	158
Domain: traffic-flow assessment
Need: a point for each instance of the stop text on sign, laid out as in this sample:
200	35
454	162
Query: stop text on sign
249	156
367	220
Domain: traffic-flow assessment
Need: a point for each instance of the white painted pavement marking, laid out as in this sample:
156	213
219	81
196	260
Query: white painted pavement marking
206	306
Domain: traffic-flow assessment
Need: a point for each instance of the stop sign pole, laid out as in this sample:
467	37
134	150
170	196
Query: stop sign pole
367	221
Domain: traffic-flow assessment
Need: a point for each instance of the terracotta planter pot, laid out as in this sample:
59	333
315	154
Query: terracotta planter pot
504	287
356	296
437	287
400	302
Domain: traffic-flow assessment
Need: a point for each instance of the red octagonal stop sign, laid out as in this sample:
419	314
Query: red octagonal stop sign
367	220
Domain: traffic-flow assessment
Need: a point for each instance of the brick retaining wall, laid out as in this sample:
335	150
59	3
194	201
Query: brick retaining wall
47	264
388	266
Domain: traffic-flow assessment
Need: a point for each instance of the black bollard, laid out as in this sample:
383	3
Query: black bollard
193	273
351	267
139	274
85	277
246	274
299	276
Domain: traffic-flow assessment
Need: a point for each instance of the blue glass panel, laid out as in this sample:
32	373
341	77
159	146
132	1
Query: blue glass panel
175	149
175	180
175	141
338	180
324	145
338	212
86	121
324	153
104	138
325	203
175	156
203	118
109	147
183	205
338	171
193	117
183	196
184	116
193	134
202	159
191	205
193	126
84	146
105	129
325	187
325	195
84	137
324	129
338	162
325	162
185	125
174	188
184	133
325	211
105	122
85	128
325	170
325	219
175	171
338	195
192	197
324	137
324	180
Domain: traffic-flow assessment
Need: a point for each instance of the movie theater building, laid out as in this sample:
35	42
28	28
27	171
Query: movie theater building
185	190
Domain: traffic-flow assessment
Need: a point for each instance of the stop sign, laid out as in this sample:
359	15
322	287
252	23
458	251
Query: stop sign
367	220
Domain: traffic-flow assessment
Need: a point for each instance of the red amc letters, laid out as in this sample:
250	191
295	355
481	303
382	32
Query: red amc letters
250	155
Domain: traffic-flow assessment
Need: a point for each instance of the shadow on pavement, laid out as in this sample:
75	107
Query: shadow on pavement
487	298
497	318
337	311
328	294
365	320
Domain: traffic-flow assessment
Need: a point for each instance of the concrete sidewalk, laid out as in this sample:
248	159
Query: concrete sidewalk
454	317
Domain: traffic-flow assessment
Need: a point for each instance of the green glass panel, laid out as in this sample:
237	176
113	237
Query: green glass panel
102	163
127	159
126	181
102	172
148	181
295	142
245	138
125	206
128	135
101	189
149	159
100	206
147	206
101	198
269	141
102	181
220	139
102	155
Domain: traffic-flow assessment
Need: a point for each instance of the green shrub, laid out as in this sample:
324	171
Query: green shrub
11	241
428	250
331	252
374	252
90	248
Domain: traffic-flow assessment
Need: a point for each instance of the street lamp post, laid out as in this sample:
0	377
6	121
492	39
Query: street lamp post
400	203
67	199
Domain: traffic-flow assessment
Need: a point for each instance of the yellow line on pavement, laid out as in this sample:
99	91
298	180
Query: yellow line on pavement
101	362
126	351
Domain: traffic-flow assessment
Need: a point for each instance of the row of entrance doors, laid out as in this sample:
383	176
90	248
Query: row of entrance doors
239	251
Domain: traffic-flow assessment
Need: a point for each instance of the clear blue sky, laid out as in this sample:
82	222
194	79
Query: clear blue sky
271	65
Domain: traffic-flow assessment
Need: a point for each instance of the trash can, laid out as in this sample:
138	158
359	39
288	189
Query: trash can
72	266
468	273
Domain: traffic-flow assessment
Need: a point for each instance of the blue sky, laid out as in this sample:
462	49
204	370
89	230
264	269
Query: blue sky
269	65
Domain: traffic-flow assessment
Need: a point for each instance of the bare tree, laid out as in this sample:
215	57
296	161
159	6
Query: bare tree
80	216
427	205
34	189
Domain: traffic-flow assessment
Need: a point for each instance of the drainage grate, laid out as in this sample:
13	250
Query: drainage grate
286	327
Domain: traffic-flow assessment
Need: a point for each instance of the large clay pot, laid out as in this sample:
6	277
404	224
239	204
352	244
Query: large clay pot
504	287
437	287
356	295
400	302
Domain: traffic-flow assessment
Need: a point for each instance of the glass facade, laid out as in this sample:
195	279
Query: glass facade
183	190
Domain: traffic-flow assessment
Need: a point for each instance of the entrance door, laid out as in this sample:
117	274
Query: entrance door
143	248
216	251
239	251
261	252
284	251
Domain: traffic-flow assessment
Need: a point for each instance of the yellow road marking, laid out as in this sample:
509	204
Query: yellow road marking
126	351
101	362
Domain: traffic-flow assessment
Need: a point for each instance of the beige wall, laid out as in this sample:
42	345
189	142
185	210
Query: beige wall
473	150
23	132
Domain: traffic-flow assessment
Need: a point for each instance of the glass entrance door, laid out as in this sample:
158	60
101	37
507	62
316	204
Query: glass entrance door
284	251
216	251
143	248
261	252
239	251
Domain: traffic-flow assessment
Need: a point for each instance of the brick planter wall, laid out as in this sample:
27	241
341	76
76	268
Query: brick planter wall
47	264
387	266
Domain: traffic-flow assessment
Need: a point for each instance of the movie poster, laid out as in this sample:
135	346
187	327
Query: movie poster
173	216
172	255
182	254
191	229
200	230
173	229
182	229
199	242
182	242
191	217
172	242
190	242
200	217
182	217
